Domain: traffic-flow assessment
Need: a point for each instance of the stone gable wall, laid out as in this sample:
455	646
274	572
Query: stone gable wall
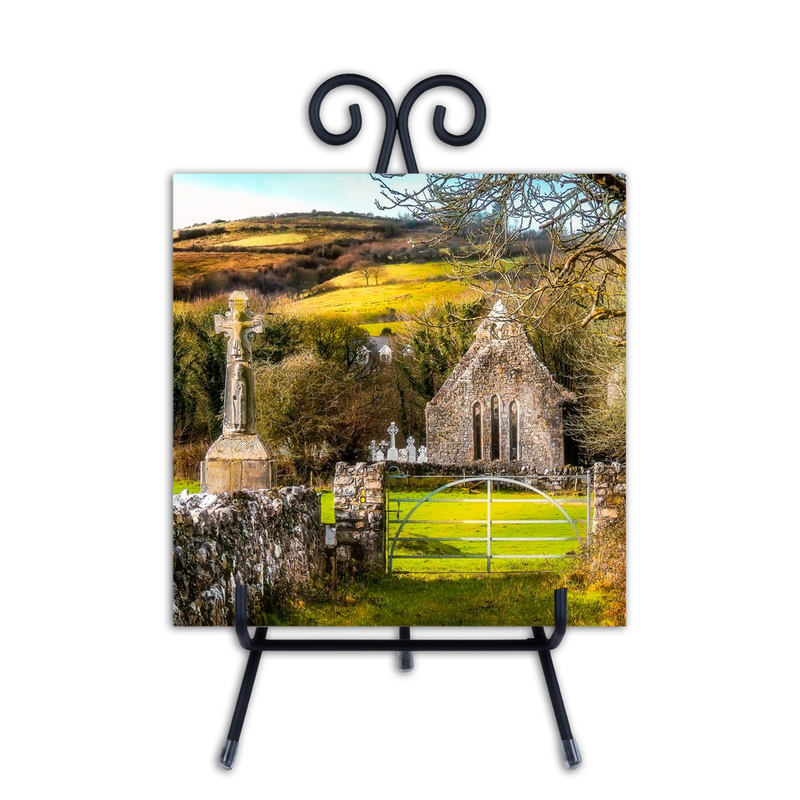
271	541
510	369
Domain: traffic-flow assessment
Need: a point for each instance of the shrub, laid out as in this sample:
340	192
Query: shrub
186	459
197	233
604	567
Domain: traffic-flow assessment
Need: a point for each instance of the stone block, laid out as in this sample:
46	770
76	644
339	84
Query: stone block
236	462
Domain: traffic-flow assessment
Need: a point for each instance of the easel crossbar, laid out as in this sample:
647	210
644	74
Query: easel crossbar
259	643
393	645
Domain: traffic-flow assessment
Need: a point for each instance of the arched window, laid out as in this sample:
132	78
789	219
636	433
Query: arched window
495	428
477	432
513	431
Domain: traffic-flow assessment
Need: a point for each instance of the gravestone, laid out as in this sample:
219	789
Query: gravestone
422	458
391	453
411	450
239	459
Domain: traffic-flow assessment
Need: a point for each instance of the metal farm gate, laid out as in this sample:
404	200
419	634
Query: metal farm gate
434	526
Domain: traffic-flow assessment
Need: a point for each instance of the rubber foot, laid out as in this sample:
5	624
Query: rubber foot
572	756
228	755
405	661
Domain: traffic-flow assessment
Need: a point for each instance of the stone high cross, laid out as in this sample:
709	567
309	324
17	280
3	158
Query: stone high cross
239	459
238	325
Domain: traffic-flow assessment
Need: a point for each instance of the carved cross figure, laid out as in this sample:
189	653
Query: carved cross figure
422	457
391	454
373	449
411	450
238	325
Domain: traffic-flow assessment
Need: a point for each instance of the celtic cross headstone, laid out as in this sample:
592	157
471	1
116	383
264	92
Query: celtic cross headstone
391	453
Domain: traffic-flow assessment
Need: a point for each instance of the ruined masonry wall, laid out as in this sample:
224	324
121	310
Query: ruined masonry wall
269	540
509	369
609	484
358	506
555	480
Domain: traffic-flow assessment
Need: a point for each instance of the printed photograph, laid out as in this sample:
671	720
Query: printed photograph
399	400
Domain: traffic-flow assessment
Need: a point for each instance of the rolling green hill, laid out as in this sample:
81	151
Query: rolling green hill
310	263
402	289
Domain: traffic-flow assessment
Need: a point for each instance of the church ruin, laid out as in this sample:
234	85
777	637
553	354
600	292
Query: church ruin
500	403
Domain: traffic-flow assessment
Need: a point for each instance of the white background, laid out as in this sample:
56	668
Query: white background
103	101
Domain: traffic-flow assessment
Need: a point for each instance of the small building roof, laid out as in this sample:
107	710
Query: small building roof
377	343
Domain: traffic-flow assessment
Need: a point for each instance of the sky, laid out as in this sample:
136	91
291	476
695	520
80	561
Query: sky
208	196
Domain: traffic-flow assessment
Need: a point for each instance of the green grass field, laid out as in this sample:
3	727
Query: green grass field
459	514
403	288
444	600
267	239
518	592
193	487
376	328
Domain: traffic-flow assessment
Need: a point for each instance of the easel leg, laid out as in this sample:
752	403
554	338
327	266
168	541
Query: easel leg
405	659
228	755
569	747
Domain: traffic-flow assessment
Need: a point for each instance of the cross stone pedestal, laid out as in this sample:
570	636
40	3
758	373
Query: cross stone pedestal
235	462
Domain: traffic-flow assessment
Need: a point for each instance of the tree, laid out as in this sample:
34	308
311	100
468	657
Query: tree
365	270
198	375
313	412
433	342
336	340
598	422
554	247
583	216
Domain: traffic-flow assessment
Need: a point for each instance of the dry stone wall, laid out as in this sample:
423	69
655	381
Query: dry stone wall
358	505
269	540
609	485
548	480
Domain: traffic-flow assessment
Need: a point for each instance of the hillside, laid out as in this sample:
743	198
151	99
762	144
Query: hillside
402	289
289	254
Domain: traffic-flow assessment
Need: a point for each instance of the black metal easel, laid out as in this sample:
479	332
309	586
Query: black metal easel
539	643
